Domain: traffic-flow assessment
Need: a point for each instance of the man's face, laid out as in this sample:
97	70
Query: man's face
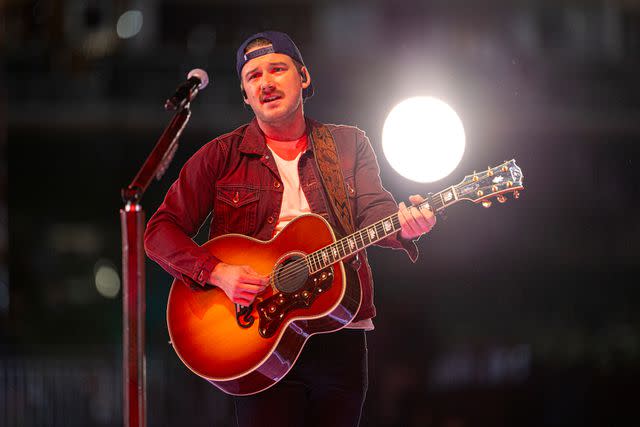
273	87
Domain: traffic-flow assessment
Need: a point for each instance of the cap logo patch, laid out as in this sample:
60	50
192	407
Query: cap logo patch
259	52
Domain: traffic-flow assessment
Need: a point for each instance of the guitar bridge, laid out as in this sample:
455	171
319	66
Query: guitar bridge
273	310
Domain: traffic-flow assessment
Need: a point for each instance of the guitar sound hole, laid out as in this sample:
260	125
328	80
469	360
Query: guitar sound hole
291	274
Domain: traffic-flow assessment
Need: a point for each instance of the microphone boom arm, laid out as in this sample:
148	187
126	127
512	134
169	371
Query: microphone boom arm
160	157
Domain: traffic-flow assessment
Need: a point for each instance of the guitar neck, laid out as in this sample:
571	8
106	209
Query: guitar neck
349	245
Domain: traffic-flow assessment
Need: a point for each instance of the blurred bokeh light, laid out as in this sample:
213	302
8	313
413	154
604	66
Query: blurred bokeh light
107	279
129	24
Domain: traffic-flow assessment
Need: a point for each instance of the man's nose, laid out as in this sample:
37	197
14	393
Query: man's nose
267	81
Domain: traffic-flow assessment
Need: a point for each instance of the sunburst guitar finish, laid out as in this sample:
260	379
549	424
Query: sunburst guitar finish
249	353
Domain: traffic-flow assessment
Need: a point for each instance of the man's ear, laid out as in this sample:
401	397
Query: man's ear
305	77
244	94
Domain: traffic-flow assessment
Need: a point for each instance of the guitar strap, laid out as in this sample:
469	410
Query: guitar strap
328	161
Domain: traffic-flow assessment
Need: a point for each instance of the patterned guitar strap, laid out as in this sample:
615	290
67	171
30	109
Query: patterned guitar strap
328	161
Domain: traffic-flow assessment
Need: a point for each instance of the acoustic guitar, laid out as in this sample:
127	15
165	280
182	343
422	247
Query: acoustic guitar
244	350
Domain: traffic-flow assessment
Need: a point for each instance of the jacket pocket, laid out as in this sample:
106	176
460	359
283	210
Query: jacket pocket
351	195
236	209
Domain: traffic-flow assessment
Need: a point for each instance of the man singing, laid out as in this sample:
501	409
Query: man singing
254	181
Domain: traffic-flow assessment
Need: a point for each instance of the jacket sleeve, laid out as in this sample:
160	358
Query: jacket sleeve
373	201
168	238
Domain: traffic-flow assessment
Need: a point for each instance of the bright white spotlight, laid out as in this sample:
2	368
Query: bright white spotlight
129	24
423	139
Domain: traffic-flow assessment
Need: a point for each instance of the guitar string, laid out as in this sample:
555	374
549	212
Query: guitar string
296	268
304	265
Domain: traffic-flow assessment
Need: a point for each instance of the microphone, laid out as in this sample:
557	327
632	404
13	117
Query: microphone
197	79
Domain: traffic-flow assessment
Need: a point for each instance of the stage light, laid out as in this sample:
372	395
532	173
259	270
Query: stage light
107	279
129	24
423	139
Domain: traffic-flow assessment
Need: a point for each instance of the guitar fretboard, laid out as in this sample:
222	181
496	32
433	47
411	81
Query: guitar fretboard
347	246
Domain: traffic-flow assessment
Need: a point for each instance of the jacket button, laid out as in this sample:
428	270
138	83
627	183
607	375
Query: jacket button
270	220
276	184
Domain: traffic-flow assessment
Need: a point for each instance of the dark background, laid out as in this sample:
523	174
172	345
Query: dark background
524	314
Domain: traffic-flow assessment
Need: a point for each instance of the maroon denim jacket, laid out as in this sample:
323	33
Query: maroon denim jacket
235	177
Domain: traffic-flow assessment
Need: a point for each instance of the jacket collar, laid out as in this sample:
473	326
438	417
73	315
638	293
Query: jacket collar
253	141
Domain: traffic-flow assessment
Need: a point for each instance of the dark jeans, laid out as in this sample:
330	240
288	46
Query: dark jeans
326	386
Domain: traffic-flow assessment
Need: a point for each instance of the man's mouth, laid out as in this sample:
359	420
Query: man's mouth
270	98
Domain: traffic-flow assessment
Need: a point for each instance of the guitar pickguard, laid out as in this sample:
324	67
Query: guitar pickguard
273	310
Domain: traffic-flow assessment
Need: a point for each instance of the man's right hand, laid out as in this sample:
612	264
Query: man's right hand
241	283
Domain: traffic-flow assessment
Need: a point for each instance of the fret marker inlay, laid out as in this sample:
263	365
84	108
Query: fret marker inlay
352	244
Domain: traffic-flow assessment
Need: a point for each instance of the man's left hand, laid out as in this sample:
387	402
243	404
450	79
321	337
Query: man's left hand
415	222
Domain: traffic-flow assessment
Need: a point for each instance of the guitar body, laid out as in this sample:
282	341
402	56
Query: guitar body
249	353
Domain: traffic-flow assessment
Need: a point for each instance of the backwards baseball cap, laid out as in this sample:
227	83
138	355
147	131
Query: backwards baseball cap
280	43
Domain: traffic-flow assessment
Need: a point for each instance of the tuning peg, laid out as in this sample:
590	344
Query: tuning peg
489	171
486	203
501	198
516	194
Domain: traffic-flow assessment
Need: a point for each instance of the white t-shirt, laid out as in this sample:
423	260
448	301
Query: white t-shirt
294	202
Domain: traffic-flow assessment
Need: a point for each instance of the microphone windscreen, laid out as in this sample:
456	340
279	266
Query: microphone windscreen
201	75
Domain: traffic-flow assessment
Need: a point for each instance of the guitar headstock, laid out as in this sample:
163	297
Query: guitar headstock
495	181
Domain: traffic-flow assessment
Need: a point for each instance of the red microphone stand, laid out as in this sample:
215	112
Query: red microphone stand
132	218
